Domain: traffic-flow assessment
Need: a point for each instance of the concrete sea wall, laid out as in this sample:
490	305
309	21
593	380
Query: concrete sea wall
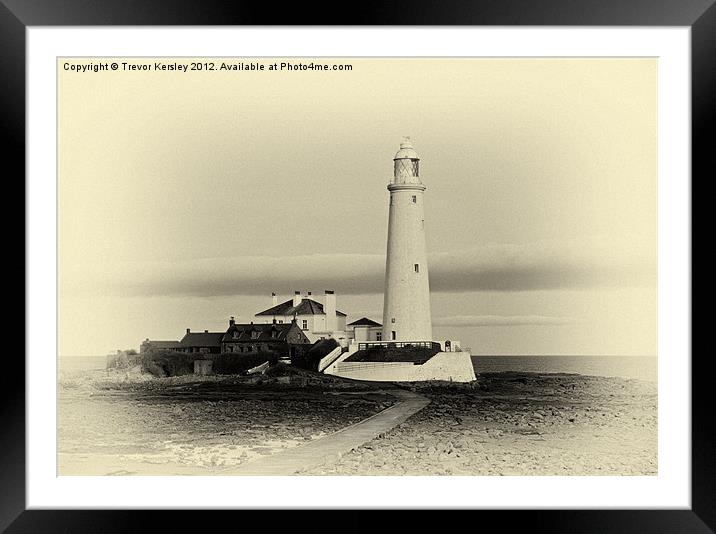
448	366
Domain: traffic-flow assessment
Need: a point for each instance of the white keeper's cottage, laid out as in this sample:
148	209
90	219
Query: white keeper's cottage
317	320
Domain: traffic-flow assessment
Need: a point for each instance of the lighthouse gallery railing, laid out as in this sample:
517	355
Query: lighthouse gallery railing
399	344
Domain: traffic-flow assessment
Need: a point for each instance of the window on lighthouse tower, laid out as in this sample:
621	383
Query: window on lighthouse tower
417	267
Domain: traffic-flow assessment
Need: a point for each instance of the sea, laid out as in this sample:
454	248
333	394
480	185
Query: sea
638	367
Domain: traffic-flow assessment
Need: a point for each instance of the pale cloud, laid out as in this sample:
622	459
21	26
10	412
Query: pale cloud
568	264
575	264
502	320
458	321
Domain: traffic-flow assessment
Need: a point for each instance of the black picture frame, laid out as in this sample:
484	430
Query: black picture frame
699	15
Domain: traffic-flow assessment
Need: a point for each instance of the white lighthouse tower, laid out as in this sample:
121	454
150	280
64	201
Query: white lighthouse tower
406	306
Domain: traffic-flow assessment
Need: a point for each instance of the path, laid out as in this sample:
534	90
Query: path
330	448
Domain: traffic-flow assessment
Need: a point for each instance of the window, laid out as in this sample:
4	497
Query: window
379	336
392	334
392	320
415	199
417	268
235	335
273	333
305	324
406	167
255	334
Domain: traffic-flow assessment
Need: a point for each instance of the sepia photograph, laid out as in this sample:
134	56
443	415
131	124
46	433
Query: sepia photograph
346	266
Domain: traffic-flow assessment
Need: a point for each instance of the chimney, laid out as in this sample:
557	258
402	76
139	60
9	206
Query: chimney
330	309
274	299
206	331
232	322
309	293
274	320
296	298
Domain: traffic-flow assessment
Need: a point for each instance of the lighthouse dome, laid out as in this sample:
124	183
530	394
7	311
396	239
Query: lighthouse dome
406	150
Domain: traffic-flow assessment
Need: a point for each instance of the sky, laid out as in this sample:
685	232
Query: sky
188	197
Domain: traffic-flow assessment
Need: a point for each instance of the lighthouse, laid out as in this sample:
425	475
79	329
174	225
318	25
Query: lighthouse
405	350
406	305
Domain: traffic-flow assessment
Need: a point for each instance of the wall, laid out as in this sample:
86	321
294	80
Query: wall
279	347
360	333
447	366
316	323
197	350
329	358
313	321
203	367
366	333
330	370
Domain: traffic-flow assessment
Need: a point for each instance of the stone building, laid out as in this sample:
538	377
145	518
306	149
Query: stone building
364	329
201	342
284	339
148	345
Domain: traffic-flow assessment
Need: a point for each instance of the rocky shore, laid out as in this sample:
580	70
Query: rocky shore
519	424
504	424
126	423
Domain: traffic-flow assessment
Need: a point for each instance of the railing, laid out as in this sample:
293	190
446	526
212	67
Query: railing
329	358
399	344
359	366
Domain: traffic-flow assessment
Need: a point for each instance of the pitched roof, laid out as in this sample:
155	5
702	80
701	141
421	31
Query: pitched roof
263	332
364	321
163	344
202	339
306	307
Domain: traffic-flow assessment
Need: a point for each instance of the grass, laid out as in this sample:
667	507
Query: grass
417	355
172	363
